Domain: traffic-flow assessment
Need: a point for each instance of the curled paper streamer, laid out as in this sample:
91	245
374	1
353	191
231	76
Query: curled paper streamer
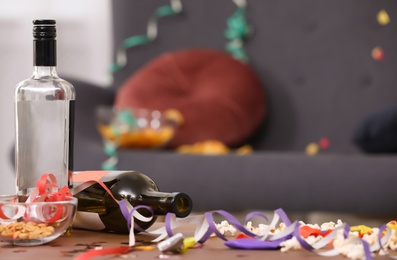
238	31
110	149
205	226
383	238
129	213
47	190
323	242
174	8
18	211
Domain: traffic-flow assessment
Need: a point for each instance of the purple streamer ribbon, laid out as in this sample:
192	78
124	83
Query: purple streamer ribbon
205	227
129	215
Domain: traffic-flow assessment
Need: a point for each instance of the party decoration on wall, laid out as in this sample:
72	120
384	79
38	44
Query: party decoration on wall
110	149
378	53
174	8
238	31
324	143
383	17
314	148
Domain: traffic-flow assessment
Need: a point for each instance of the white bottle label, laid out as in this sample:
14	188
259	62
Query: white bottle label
88	220
43	141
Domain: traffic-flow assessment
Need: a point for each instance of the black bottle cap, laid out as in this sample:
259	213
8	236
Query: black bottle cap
44	43
44	29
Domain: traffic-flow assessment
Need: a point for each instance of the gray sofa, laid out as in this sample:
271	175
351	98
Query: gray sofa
314	58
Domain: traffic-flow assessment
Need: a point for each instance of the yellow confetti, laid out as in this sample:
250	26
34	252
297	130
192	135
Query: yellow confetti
188	242
312	149
145	248
361	229
392	224
383	17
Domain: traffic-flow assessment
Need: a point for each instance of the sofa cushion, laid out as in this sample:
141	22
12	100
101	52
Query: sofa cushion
219	97
378	132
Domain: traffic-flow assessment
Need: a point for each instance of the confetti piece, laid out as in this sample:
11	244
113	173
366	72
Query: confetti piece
174	244
101	252
361	229
145	248
242	235
312	149
324	143
378	53
393	225
188	242
383	17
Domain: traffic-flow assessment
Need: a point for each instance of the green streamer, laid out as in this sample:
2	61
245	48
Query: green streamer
125	121
174	8
110	149
238	31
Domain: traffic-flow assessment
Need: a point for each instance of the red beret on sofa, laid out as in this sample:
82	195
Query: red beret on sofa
219	97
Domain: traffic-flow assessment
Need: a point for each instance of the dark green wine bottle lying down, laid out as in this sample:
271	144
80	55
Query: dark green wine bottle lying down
97	210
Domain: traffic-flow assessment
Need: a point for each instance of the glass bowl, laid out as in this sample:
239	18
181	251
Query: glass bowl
34	223
137	128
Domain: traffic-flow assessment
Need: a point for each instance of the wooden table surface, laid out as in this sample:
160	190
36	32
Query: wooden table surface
71	246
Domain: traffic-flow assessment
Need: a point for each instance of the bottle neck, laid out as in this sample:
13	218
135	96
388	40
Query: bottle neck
162	202
40	72
44	52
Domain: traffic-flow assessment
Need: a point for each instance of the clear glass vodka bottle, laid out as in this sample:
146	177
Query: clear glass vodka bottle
44	112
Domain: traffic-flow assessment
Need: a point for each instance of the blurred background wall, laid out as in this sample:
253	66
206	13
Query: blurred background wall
84	52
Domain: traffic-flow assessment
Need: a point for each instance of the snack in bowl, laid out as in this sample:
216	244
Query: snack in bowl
137	128
34	223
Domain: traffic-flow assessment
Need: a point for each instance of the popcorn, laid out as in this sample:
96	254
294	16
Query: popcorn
352	248
316	226
331	225
293	243
393	241
312	239
290	244
372	238
262	228
225	228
